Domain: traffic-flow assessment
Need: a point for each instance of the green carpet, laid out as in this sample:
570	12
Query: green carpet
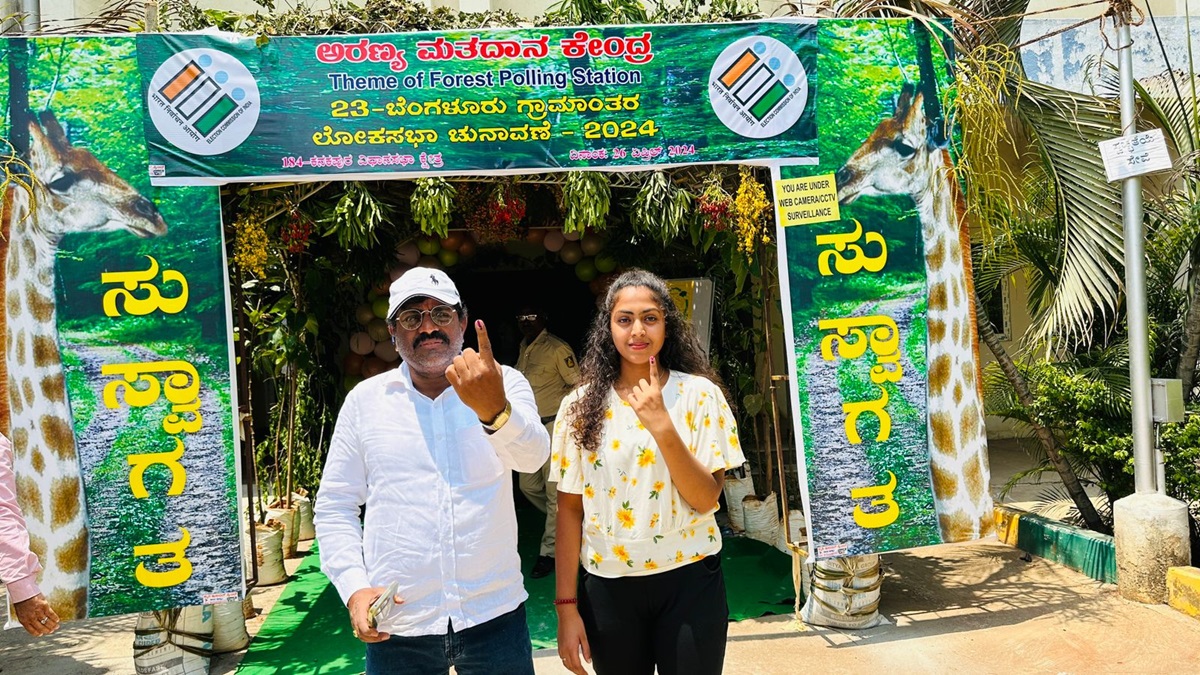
308	631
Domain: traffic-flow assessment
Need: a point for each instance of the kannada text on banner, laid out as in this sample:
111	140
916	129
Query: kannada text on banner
889	424
857	301
118	343
222	109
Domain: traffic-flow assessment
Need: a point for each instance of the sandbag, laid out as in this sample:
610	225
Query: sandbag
287	517
269	554
305	530
248	610
842	592
229	627
736	489
795	529
174	641
762	518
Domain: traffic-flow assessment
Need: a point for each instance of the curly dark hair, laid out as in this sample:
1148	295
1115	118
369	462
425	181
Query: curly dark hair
601	364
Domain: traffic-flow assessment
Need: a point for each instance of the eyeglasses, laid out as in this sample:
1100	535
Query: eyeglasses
527	317
411	319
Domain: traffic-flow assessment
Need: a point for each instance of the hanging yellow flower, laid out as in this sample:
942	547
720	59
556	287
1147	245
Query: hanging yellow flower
250	245
750	208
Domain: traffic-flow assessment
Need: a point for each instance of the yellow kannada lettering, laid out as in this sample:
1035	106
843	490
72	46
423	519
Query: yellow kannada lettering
884	341
140	462
170	554
846	242
140	281
881	497
176	423
181	387
853	410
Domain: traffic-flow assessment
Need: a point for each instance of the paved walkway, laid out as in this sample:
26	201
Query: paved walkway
976	608
970	608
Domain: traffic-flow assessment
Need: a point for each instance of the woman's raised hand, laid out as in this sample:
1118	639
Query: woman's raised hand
646	399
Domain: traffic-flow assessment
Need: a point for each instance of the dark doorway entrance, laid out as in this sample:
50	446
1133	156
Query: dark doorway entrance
496	296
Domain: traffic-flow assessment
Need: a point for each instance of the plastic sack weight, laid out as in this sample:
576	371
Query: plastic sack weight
842	592
762	518
269	556
287	517
173	641
737	489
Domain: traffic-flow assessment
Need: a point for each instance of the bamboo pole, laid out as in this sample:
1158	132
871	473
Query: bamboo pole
773	379
291	432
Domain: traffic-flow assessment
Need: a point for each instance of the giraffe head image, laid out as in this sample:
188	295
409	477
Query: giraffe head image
905	155
894	158
73	193
84	195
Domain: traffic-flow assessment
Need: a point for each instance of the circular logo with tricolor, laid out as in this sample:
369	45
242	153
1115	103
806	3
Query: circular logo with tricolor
203	101
758	87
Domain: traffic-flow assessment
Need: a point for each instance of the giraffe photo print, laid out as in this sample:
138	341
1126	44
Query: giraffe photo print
116	383
875	270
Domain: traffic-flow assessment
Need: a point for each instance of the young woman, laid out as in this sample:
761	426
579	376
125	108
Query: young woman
640	449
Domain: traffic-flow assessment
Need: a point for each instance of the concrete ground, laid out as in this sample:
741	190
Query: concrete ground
974	608
968	608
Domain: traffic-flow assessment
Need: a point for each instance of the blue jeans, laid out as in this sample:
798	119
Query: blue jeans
500	647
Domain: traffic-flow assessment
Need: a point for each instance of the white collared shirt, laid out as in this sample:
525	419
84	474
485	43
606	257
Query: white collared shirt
438	492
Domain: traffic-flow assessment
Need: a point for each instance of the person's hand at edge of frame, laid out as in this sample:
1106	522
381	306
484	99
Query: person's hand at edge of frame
36	615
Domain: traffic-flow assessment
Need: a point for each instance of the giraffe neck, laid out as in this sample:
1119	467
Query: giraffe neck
957	438
49	484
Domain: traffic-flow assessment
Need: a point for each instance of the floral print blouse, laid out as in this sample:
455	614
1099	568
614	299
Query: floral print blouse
635	521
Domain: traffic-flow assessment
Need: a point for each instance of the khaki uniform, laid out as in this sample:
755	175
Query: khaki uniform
549	364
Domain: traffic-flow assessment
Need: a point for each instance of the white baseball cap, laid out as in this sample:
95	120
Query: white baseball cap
421	282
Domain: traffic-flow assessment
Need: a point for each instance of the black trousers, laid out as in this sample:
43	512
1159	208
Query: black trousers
676	621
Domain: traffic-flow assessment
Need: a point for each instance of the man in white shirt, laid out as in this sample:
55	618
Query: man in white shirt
548	362
428	449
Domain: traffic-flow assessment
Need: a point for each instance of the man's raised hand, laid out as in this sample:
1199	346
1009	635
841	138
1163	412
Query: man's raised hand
477	378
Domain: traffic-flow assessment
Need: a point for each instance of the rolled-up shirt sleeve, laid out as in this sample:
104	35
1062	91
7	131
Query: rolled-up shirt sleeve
522	444
342	494
18	565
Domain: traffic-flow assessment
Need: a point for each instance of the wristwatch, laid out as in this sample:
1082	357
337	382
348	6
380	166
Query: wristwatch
500	420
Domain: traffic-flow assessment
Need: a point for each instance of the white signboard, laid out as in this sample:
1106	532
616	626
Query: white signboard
1128	156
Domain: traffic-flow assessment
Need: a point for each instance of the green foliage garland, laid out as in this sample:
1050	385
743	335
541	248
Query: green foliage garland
433	205
586	201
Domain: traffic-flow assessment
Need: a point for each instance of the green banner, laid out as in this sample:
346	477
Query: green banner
873	259
225	108
118	343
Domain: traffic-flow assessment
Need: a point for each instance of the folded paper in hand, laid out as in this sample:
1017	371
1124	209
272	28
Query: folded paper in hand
381	609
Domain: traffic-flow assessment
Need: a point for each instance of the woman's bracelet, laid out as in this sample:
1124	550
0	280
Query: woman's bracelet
565	601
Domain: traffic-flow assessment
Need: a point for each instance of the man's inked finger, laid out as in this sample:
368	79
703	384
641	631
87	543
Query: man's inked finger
485	343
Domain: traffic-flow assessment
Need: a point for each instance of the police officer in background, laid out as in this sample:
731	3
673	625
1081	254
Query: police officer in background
548	362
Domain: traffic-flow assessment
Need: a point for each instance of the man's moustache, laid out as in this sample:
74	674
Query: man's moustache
435	335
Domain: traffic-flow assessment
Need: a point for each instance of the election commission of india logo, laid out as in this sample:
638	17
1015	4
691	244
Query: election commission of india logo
758	87
203	101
